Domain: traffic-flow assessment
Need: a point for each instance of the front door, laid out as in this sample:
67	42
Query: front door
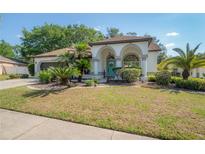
110	65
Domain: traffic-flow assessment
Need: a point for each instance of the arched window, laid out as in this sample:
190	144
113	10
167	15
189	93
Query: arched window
131	61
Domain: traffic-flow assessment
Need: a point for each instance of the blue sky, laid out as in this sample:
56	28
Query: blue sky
173	30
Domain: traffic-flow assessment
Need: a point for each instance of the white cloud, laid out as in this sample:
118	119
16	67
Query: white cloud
170	45
172	34
19	36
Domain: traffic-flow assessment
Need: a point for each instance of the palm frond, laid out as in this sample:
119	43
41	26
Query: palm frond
180	52
196	48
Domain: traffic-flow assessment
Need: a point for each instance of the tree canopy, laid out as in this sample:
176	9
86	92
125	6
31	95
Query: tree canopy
50	37
186	60
113	32
6	49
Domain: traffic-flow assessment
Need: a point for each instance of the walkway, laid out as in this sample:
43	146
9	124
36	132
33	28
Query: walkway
16	125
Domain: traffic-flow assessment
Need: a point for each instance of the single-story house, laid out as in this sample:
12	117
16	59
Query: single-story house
195	73
12	66
110	53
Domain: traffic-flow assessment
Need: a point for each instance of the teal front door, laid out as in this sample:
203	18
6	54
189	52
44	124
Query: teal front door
110	66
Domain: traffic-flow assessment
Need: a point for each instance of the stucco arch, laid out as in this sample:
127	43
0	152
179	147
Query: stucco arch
131	49
103	54
105	49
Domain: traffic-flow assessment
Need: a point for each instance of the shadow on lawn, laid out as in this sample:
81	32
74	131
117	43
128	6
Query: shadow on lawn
42	93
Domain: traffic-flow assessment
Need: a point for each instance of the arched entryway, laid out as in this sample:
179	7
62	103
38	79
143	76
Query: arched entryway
131	56
107	61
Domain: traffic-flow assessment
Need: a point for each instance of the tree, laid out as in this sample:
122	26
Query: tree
6	49
64	74
113	32
82	65
162	56
187	60
132	34
50	37
67	58
81	50
78	58
82	62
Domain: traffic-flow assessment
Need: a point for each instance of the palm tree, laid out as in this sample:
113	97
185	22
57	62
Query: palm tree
187	60
64	74
67	58
82	65
81	61
81	50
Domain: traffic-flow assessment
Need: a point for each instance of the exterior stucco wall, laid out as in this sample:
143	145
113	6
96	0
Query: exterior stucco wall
40	60
12	69
198	72
152	61
148	60
143	46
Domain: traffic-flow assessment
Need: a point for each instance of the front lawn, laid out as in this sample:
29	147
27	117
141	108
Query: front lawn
159	113
4	77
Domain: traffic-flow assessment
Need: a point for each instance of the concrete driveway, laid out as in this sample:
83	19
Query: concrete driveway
16	83
16	125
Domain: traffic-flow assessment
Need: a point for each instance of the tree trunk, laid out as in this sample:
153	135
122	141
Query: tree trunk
185	74
80	76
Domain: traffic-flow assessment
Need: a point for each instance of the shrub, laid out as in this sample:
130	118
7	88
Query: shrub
192	84
92	82
23	76
14	76
64	74
174	79
151	78
163	78
31	69
45	76
129	74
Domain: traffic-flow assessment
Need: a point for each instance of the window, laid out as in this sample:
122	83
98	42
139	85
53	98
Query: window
131	61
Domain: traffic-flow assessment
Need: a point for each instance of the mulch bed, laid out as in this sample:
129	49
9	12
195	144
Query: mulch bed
50	86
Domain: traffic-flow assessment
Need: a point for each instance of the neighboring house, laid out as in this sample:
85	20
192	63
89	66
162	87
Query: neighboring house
110	53
12	66
195	73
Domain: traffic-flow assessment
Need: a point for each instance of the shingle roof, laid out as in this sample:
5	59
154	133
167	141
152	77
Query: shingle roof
11	61
154	47
57	52
122	39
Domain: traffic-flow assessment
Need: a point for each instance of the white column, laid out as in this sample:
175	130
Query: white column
144	67
118	62
37	67
95	65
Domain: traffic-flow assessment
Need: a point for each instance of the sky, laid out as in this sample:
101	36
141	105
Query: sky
173	30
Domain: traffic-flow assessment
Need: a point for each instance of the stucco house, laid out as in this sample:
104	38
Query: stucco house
12	66
110	53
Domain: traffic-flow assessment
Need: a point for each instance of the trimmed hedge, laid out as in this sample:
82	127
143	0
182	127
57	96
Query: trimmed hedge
192	84
130	74
92	82
17	76
174	79
163	78
151	78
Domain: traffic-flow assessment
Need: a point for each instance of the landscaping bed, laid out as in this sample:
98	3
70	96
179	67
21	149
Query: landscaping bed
159	113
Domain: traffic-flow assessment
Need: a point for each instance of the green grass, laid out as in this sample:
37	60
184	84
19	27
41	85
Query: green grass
160	113
4	77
